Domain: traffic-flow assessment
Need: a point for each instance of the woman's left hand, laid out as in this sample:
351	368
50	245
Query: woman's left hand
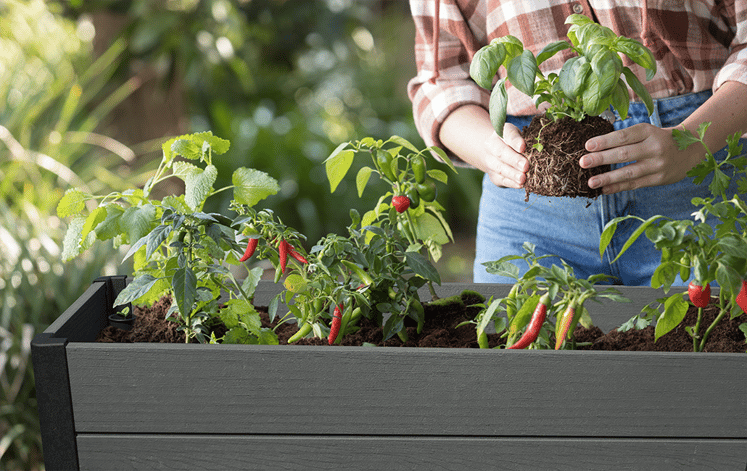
651	153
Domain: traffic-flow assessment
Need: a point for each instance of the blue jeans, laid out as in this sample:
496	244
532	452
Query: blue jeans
567	228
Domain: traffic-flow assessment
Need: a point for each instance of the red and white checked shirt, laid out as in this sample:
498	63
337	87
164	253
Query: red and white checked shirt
698	44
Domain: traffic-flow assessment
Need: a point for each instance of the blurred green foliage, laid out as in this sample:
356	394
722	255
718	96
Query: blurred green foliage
286	82
52	100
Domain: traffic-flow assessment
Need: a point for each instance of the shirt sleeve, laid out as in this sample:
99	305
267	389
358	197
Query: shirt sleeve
440	88
735	67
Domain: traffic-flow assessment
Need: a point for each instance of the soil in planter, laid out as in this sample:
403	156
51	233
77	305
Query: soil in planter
440	331
555	170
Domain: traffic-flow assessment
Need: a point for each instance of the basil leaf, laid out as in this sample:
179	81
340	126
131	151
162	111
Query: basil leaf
551	49
605	69
639	89
497	106
522	71
485	64
621	99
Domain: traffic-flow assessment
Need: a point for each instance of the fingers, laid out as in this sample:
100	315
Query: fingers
650	153
508	166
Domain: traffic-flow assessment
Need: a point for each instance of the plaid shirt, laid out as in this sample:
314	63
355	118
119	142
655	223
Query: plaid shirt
698	44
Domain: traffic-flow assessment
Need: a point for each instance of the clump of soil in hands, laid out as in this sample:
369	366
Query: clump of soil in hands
555	171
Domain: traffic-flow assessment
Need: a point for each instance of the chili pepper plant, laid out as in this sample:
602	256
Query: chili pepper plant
587	84
390	250
693	251
181	251
533	317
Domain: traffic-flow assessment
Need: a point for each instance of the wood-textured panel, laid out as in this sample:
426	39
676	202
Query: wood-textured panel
206	453
154	388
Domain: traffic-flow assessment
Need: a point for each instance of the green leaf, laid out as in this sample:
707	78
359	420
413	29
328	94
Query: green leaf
361	180
199	185
551	49
137	288
337	166
502	268
444	158
427	226
137	221
638	53
592	97
639	89
522	71
73	202
498	106
402	142
96	217
728	278
485	64
604	67
184	287
438	175
684	138
252	186
156	238
109	227
572	76
71	243
621	99
675	309
187	148
421	266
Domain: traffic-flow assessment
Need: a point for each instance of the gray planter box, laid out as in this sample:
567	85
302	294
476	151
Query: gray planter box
204	407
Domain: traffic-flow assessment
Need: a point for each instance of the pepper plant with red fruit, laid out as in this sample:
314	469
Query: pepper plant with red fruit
178	249
694	251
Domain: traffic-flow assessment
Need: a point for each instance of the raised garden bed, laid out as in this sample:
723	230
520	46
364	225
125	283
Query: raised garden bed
192	406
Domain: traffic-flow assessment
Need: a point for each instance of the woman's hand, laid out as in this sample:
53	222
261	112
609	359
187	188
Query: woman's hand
506	166
651	153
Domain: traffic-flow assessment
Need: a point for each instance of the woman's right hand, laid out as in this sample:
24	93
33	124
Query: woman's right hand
468	133
506	165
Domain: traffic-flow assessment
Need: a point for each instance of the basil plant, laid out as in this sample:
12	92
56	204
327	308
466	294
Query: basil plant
587	84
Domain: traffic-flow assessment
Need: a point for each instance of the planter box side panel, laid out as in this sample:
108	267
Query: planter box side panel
395	391
127	452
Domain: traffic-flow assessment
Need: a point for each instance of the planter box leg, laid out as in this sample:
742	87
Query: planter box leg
54	402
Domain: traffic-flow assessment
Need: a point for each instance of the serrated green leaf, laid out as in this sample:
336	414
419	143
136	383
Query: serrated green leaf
361	180
187	148
137	221
73	202
96	217
109	228
71	243
337	166
199	185
182	169
252	186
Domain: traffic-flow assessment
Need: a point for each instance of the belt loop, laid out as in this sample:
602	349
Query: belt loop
655	118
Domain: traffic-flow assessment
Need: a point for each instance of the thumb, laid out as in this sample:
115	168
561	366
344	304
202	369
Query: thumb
512	137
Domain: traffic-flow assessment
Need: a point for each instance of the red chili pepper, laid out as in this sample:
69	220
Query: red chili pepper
700	296
742	297
283	247
400	203
532	332
293	253
251	246
334	329
565	324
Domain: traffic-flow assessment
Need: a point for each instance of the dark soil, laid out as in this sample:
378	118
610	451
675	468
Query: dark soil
440	331
555	170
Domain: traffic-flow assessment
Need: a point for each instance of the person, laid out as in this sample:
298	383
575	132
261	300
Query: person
699	47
